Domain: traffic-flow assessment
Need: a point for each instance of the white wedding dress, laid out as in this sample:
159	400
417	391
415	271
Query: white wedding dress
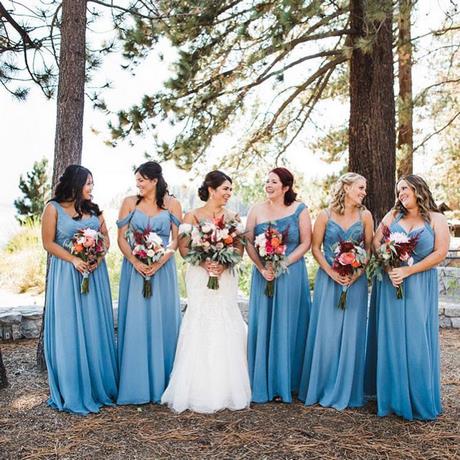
210	368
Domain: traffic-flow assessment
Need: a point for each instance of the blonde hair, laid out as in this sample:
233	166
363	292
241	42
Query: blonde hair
423	196
338	191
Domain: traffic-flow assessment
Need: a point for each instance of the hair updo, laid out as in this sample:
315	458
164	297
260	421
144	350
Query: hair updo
287	179
212	180
70	188
152	170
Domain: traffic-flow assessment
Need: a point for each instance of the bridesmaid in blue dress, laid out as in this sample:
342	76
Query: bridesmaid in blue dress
333	370
278	325
78	332
148	327
402	363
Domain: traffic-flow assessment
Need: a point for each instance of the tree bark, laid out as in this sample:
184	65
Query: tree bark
372	137
71	88
70	103
3	378
405	109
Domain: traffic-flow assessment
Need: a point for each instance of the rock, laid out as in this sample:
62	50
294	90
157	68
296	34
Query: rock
452	311
455	323
445	322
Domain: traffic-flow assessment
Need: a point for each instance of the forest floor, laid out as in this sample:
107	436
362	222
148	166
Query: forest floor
29	429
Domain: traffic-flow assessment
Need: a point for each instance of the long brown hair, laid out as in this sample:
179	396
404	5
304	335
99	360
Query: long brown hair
423	196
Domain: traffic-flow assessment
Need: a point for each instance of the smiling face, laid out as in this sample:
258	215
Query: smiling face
406	195
274	188
221	194
356	192
144	185
87	188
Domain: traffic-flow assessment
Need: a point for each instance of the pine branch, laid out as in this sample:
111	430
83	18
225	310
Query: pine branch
427	138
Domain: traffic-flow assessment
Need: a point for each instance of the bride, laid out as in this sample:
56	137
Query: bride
210	370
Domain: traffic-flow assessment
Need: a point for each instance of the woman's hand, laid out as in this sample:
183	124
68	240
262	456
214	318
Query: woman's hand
355	276
140	267
268	273
216	268
80	265
397	275
338	278
152	269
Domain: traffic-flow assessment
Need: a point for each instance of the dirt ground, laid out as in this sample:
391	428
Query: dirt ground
31	430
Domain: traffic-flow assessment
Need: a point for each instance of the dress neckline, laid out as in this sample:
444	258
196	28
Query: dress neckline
408	232
146	215
70	217
280	218
343	229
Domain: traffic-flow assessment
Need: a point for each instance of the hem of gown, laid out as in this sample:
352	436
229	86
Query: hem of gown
201	410
265	400
334	406
138	402
386	412
54	406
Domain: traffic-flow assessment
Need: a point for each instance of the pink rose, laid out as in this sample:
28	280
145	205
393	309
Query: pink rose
347	258
88	242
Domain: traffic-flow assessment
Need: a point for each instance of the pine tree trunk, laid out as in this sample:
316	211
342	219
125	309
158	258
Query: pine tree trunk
372	136
71	89
405	129
70	103
3	379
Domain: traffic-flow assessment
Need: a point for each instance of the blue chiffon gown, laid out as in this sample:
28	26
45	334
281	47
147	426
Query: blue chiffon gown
147	327
333	369
78	332
277	328
402	362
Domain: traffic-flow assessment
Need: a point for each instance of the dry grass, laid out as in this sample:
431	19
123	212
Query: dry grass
31	430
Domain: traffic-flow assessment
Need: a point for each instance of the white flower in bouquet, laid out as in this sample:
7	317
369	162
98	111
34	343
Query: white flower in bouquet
90	233
207	228
150	253
221	234
399	237
154	239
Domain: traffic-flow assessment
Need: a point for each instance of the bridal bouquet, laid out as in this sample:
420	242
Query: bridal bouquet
397	248
88	245
350	256
147	247
271	248
213	241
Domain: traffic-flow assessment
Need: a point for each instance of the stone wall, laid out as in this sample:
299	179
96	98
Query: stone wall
25	322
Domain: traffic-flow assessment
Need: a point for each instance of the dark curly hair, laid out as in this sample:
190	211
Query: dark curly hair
423	196
70	187
287	179
212	180
152	170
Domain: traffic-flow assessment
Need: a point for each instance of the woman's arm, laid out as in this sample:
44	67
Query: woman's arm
49	222
387	220
105	232
305	237
128	206
251	221
183	242
174	208
441	247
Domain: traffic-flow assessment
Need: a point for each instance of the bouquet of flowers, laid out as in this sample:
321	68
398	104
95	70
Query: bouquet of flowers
88	245
147	247
271	248
350	256
397	248
213	241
